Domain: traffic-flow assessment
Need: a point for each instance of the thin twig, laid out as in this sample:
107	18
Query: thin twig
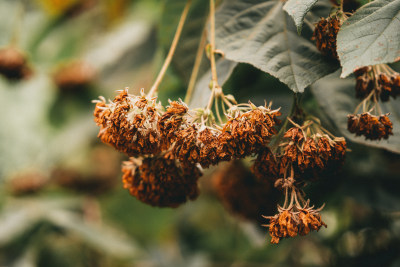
171	52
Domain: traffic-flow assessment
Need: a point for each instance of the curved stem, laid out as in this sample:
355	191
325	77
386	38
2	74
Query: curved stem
171	52
212	45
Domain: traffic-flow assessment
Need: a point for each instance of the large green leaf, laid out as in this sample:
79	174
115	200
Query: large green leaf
371	36
298	9
260	33
337	98
105	238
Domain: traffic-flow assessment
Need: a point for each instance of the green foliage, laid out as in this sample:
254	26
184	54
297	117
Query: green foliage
262	34
298	9
370	36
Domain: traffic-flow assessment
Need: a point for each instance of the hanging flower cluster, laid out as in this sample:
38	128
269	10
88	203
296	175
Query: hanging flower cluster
380	78
308	150
325	34
166	145
304	153
159	181
373	84
294	220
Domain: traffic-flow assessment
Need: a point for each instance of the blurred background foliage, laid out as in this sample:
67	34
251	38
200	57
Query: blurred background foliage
62	202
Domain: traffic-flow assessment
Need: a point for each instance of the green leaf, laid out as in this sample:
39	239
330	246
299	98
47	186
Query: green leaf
298	9
105	238
260	33
371	36
337	98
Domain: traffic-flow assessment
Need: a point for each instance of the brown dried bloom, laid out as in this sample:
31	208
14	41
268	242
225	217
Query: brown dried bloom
310	150
250	129
13	64
129	123
161	182
295	219
325	34
266	166
170	122
371	126
381	79
364	82
309	220
74	76
244	194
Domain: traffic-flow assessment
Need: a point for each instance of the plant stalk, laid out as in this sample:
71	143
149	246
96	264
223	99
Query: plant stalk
171	51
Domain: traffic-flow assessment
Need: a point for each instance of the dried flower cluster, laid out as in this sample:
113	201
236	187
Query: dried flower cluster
305	152
161	182
374	84
13	64
308	150
371	126
245	133
380	78
129	123
175	140
243	194
294	220
325	34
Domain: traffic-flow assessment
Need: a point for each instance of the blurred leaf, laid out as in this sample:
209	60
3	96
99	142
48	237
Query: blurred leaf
337	98
202	90
104	238
298	9
370	36
260	33
23	108
18	216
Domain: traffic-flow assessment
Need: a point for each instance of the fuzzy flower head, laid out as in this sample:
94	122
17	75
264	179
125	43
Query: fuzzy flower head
160	182
130	123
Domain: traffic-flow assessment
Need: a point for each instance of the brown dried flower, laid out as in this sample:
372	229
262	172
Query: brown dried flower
266	165
244	194
325	34
13	64
170	122
161	182
129	123
371	126
294	220
381	79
